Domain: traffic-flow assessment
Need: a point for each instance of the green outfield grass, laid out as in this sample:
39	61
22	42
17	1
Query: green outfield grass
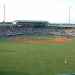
29	59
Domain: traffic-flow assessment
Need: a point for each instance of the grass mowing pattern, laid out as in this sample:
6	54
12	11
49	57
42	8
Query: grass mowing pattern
29	59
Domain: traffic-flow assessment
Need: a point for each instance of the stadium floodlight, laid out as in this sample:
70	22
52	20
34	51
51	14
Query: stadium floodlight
69	15
4	13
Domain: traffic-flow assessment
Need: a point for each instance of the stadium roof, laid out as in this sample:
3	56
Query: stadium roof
62	25
31	21
6	24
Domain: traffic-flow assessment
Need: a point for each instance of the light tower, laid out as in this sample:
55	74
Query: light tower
69	15
4	15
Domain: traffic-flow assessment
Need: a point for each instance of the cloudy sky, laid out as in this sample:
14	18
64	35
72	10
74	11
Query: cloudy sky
54	11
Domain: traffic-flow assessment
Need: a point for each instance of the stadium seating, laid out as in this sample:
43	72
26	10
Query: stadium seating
34	28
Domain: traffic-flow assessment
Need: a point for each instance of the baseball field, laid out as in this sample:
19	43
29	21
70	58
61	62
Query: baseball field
30	56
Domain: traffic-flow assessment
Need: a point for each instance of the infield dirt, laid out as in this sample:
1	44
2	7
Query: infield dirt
27	40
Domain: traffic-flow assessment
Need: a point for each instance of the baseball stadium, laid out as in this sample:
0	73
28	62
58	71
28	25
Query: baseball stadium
37	48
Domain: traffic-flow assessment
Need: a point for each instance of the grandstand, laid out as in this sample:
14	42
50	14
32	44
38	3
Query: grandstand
63	29
23	27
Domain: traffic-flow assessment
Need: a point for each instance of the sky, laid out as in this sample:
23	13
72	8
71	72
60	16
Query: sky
54	11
